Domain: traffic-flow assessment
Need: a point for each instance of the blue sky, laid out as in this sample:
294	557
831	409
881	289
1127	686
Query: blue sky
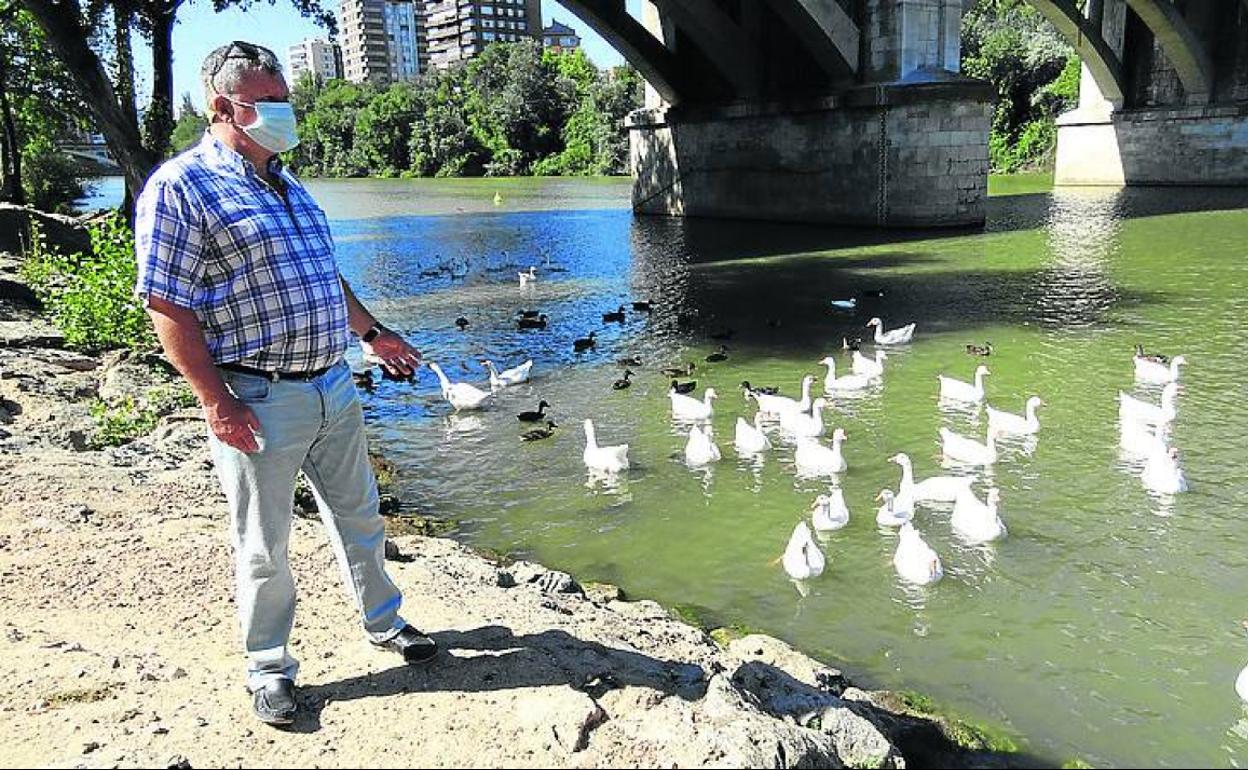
278	25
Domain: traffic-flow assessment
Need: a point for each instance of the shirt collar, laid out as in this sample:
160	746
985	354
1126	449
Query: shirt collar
219	154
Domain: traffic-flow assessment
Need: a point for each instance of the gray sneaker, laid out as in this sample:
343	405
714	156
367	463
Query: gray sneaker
274	703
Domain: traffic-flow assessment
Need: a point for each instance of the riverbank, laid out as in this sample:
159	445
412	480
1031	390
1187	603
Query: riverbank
122	644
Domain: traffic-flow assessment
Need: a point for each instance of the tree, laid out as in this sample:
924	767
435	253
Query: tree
189	127
514	106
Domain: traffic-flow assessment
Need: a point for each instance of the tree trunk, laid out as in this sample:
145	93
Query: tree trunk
10	149
158	123
123	22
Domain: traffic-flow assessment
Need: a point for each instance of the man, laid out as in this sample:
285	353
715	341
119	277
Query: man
236	270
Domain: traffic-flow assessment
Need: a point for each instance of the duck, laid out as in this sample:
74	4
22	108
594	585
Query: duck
802	424
462	323
829	512
514	376
1131	408
532	323
968	450
678	371
642	306
623	382
979	350
614	317
721	355
585	343
889	514
529	314
364	380
537	416
701	449
684	388
460	395
528	277
849	382
537	434
937	489
974	521
914	560
628	361
958	390
688	408
898	336
868	367
845	304
1162	472
1149	370
764	389
1155	358
609	459
1019	425
802	558
813	457
750	439
854	344
778	405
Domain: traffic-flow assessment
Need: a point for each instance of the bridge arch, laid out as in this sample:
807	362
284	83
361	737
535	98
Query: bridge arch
1089	44
1182	47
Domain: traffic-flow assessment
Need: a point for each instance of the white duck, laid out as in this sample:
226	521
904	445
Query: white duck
829	512
893	336
937	489
958	390
778	405
528	277
968	450
508	377
750	439
460	395
914	559
1020	425
688	408
813	457
1131	408
802	558
889	514
1162	472
610	459
870	367
1138	438
701	449
977	522
849	382
1241	685
1149	370
803	425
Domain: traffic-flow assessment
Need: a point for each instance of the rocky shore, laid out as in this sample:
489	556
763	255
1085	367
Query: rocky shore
121	647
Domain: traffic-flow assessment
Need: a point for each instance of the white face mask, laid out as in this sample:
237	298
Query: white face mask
274	126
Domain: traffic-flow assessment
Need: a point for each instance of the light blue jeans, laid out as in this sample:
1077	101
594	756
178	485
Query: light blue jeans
317	427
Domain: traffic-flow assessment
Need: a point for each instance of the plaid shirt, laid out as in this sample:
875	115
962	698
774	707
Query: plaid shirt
257	268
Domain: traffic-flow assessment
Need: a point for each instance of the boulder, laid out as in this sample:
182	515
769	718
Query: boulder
64	233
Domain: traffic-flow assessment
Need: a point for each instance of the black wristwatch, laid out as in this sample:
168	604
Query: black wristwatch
372	333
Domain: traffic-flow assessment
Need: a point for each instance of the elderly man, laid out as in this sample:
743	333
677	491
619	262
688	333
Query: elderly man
236	270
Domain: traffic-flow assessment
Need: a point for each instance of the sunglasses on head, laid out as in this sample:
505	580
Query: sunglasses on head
239	49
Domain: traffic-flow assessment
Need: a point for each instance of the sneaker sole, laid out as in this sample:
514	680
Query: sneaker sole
276	721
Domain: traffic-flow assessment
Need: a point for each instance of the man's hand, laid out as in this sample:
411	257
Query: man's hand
233	423
392	352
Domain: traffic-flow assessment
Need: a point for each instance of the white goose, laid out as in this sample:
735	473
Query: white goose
1241	685
1138	438
610	459
888	514
870	367
829	512
968	450
803	425
528	277
914	559
701	449
460	395
958	390
937	489
1162	472
1008	422
688	408
1131	408
508	377
813	457
1150	370
778	405
893	336
849	382
750	439
977	522
802	558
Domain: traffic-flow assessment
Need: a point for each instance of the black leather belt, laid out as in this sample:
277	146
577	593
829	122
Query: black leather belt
275	376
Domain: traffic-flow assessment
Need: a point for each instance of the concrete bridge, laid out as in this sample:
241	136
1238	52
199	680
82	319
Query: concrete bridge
854	111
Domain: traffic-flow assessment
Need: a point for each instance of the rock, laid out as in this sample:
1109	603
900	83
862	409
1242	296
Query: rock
20	293
8	410
388	505
30	334
178	673
556	582
90	747
61	232
137	378
178	762
14	635
392	551
504	579
602	593
859	742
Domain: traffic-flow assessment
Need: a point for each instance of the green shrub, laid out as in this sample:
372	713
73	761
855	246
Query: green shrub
53	180
123	422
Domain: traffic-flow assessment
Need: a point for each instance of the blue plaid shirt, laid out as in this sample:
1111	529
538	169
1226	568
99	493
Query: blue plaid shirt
256	267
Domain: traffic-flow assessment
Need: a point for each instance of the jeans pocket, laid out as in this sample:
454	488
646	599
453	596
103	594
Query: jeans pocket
247	388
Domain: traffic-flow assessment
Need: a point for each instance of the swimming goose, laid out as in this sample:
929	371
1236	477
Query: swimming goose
968	450
688	408
460	395
829	512
802	558
1156	358
1162	472
721	355
964	391
849	382
914	559
585	343
750	439
615	317
778	405
678	371
701	449
974	521
1008	422
1131	408
509	377
537	434
898	336
845	304
623	382
610	459
527	278
1149	370
813	457
803	425
869	367
889	514
937	489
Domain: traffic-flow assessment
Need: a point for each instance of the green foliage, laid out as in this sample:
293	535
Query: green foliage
190	126
91	295
121	423
51	179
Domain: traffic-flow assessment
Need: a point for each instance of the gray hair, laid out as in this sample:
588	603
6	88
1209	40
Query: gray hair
226	66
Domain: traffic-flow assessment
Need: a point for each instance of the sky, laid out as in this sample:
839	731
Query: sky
279	25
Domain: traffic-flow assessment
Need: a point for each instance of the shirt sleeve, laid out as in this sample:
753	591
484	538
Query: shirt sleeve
168	242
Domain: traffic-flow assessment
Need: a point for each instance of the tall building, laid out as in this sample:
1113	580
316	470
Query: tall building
457	30
560	37
379	40
317	56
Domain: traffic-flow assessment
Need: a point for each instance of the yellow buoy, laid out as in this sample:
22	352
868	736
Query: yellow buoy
498	199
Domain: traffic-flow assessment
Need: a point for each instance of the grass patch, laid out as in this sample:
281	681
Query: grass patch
123	422
85	695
